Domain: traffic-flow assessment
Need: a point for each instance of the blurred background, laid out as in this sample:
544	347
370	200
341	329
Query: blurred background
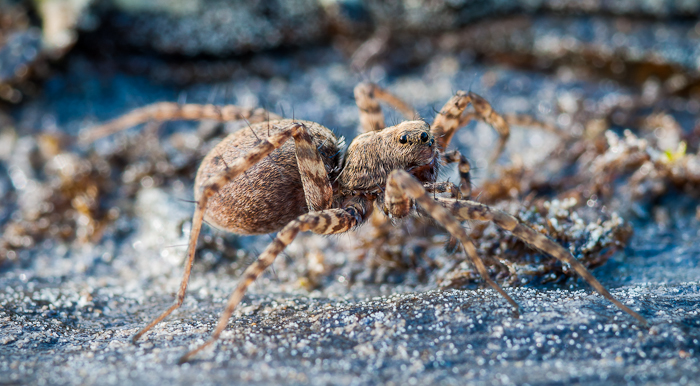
604	104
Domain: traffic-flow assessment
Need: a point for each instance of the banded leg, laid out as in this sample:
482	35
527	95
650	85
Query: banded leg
465	183
367	97
325	222
212	186
169	111
442	187
464	191
402	185
530	121
318	190
469	210
396	201
452	117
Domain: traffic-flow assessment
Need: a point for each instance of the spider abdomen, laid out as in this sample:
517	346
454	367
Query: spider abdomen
270	194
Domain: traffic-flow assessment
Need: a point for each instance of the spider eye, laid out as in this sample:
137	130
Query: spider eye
403	139
424	136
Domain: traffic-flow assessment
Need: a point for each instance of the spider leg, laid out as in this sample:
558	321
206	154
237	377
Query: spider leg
314	177
465	186
402	186
367	97
442	187
452	117
530	121
234	169
169	111
465	183
330	221
469	210
396	202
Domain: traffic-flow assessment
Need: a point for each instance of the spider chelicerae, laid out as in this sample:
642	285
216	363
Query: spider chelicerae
289	176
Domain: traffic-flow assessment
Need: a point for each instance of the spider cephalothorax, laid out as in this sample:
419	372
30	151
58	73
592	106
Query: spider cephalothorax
373	155
290	176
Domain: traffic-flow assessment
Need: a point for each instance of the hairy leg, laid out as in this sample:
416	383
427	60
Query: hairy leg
367	97
443	187
314	177
452	117
329	221
170	111
530	121
402	186
469	210
240	165
465	183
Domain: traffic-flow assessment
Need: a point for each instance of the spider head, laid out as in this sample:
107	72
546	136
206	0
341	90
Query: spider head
372	156
415	149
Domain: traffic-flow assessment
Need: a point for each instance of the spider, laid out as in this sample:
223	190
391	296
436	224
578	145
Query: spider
289	176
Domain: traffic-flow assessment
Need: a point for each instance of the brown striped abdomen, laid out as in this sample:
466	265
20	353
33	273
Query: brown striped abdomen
270	193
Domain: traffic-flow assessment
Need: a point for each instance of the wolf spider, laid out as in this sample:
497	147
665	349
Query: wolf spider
257	181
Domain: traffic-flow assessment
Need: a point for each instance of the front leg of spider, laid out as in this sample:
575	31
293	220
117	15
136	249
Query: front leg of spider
445	210
402	187
464	168
453	116
469	210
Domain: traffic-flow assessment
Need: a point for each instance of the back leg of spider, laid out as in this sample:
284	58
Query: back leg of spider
401	187
318	193
367	97
469	210
331	221
169	111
